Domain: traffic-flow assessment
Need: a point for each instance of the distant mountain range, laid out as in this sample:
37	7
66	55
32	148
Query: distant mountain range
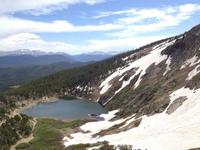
21	66
24	57
94	56
27	52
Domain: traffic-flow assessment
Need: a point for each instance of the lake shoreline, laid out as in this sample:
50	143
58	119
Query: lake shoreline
26	104
66	110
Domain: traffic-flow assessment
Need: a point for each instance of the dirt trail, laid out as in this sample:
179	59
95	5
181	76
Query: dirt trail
25	140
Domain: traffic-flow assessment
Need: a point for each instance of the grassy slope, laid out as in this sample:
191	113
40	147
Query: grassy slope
48	134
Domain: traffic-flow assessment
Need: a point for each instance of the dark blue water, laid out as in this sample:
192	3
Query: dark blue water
65	109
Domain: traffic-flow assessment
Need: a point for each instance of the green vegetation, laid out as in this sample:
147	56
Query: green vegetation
61	82
194	83
48	134
18	76
13	129
66	79
102	146
147	99
3	111
65	82
66	97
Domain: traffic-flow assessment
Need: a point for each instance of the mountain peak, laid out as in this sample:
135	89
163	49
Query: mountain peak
196	29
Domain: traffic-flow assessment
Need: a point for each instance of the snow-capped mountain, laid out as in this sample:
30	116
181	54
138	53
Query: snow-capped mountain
25	57
92	56
152	95
40	53
24	52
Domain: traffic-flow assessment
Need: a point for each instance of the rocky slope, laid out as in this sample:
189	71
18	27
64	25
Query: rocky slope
154	98
152	94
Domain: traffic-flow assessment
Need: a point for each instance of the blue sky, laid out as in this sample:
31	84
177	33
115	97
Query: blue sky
81	26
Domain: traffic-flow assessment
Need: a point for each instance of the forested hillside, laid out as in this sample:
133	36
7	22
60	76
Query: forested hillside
15	77
79	82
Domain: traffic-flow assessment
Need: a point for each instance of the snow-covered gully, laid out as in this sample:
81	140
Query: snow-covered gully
140	66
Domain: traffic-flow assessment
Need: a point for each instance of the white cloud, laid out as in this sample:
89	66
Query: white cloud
113	13
34	42
161	18
39	6
11	25
131	22
122	44
125	32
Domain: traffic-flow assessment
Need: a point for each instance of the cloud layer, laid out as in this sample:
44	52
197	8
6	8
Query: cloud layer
39	6
35	42
11	25
127	30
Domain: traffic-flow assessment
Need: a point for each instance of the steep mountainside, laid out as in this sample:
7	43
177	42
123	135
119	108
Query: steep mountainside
154	98
152	94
